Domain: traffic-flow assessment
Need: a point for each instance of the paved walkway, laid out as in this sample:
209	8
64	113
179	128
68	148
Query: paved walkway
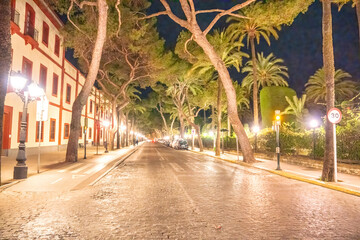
48	161
346	182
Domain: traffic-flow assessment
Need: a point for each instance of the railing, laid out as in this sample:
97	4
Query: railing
31	31
15	16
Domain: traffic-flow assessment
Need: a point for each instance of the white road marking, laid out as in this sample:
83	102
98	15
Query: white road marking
176	167
76	176
71	167
80	169
56	181
95	169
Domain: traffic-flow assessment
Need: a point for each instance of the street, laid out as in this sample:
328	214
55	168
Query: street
161	193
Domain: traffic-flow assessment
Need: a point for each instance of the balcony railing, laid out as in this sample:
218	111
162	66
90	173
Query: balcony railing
31	31
15	16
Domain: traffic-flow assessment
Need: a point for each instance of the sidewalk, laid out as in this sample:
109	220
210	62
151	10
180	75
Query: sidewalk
346	182
48	161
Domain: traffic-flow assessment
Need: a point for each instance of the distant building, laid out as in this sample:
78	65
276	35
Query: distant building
38	52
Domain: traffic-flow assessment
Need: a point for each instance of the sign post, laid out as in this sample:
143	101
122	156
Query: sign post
334	116
42	107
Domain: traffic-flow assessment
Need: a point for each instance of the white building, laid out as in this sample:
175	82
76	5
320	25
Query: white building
38	52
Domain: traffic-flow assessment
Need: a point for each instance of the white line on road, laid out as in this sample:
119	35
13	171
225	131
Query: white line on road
57	181
176	167
72	166
80	169
95	169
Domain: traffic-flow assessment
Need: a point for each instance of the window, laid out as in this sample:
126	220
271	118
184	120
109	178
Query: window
101	133
57	45
30	22
81	132
37	135
66	130
45	34
90	133
91	106
27	68
68	93
19	126
96	109
52	129
43	76
55	85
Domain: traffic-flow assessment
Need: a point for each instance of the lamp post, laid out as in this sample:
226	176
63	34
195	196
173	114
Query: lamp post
28	91
106	124
277	129
256	129
314	124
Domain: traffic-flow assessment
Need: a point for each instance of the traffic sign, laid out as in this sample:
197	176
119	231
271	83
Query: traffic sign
334	115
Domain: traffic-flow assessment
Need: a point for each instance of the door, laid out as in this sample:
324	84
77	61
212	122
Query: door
8	111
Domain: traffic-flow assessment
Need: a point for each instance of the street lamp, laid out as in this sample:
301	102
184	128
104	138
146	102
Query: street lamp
106	124
314	124
28	91
256	129
277	129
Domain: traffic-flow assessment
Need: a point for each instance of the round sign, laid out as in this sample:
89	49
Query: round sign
334	115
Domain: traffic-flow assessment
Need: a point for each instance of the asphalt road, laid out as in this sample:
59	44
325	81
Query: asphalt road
161	193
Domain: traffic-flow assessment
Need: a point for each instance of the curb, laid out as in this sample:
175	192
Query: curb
122	159
3	187
291	176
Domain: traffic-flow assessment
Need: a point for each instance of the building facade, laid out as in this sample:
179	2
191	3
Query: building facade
38	53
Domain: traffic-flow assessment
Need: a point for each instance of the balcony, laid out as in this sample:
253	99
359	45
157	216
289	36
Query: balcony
15	16
31	35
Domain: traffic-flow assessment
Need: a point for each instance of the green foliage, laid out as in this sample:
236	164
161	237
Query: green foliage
345	88
270	72
297	108
271	99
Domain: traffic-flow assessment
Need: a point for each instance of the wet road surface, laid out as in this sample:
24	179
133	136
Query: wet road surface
161	193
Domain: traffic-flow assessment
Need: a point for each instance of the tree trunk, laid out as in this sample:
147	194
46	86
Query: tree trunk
329	70
218	129
171	127
5	61
182	125
197	130
118	129
80	101
213	118
112	131
133	129
127	129
229	126
163	118
255	82
357	5
220	67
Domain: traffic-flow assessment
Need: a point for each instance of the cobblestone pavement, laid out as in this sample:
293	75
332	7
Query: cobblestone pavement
161	193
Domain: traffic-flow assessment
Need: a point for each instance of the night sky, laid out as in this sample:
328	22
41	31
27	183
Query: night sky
300	45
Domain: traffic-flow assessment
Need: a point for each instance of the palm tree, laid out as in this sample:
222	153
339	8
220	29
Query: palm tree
345	88
328	173
270	72
253	30
297	108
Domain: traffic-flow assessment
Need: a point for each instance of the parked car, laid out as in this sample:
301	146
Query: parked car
180	144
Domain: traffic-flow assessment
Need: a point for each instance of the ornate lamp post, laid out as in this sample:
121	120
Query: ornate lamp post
106	124
28	91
